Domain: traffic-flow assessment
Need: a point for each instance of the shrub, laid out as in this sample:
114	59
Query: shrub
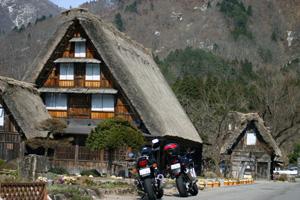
236	11
132	7
59	170
2	162
92	172
113	134
295	154
265	54
119	22
210	174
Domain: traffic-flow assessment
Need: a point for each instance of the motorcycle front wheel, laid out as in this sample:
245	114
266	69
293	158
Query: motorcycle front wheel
149	189
194	190
181	186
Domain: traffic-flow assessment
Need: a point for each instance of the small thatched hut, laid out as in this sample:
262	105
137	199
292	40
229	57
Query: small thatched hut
21	112
249	148
89	71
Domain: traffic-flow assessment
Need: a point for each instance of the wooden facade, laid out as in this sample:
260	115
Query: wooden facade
79	105
10	140
249	157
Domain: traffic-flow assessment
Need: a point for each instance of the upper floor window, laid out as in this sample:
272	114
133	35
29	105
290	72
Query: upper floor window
56	101
251	138
103	103
80	49
92	72
66	71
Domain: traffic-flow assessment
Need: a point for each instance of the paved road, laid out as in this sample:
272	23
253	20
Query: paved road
257	191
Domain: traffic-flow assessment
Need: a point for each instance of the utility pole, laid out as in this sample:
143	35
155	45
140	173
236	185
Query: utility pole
298	164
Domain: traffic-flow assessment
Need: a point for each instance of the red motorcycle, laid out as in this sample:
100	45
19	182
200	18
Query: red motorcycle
182	169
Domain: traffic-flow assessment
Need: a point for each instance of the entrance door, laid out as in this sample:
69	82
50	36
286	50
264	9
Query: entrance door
79	106
262	170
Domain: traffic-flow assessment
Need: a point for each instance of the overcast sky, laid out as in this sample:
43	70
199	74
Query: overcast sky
68	3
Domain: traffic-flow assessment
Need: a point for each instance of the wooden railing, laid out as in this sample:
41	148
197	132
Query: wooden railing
35	191
78	81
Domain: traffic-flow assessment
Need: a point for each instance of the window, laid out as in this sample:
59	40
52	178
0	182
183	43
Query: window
251	138
56	101
103	103
1	115
80	49
66	71
92	72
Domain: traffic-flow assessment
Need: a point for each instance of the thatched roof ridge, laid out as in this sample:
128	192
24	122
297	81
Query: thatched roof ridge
25	105
134	69
13	82
239	122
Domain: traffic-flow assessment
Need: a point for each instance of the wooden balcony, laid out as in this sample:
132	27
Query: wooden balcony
79	81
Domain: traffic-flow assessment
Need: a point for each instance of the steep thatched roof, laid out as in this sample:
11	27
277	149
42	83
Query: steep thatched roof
133	68
238	122
25	105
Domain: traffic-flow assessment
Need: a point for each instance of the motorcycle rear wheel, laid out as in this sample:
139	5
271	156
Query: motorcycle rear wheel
160	193
149	190
181	186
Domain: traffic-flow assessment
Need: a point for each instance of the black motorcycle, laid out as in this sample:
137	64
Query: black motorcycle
182	169
149	180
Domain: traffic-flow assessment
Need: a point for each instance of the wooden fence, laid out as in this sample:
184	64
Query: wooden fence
84	158
30	191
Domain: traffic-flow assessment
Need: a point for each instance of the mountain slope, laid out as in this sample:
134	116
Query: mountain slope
167	25
21	12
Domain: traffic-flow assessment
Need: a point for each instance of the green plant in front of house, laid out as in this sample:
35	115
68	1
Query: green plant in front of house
112	134
236	10
70	192
59	170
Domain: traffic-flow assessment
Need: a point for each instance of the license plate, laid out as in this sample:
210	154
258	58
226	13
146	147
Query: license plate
145	171
175	166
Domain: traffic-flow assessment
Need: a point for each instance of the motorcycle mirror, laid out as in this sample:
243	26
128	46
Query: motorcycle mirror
155	144
131	155
154	141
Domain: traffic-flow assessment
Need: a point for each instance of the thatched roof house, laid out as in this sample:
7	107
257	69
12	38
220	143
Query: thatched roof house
132	67
238	123
24	104
250	146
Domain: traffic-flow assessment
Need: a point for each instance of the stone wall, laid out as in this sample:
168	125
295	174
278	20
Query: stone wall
32	166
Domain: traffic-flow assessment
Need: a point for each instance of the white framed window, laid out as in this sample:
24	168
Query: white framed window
92	72
80	49
103	102
1	115
251	138
56	101
66	71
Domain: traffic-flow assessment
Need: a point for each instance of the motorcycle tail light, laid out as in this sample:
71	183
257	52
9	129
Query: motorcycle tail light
143	163
174	161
